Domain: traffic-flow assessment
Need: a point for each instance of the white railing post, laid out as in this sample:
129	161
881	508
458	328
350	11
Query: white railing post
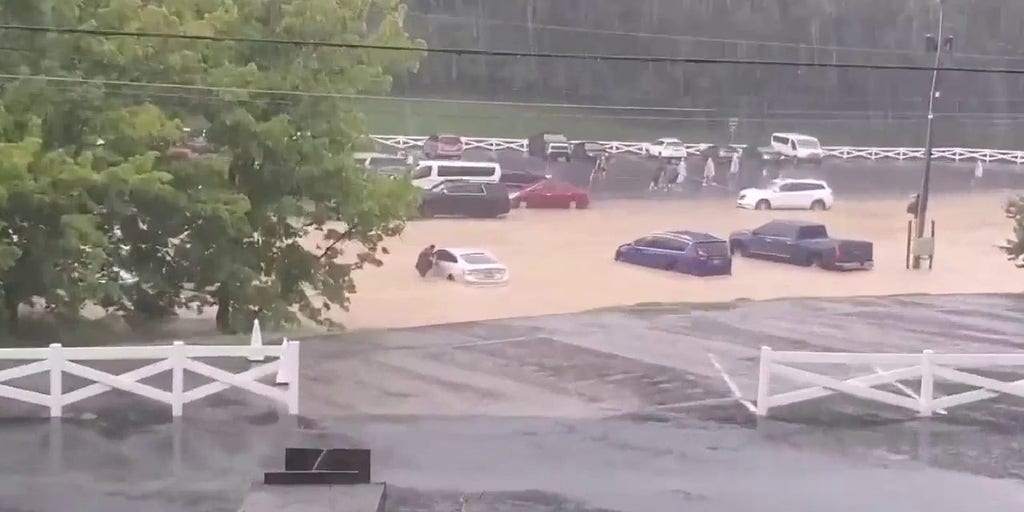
282	364
256	342
927	383
56	380
178	357
293	376
764	381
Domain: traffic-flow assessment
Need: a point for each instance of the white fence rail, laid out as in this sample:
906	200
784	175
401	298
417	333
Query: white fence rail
926	366
404	142
176	358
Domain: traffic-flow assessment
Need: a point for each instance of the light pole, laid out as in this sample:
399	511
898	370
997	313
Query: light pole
936	45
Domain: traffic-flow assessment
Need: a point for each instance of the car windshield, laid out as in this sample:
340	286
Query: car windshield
478	258
674	144
449	139
712	249
555	138
593	146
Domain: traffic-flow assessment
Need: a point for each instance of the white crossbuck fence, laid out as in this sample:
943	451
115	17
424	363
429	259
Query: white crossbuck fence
926	366
404	142
176	358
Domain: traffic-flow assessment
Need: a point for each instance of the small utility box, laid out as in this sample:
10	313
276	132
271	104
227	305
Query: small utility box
923	248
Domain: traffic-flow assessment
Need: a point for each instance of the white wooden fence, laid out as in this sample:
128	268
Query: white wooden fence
57	361
405	142
926	366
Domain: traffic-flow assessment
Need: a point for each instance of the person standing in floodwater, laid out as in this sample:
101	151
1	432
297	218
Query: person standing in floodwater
659	173
425	261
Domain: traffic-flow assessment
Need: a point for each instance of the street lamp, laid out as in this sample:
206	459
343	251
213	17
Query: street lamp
936	45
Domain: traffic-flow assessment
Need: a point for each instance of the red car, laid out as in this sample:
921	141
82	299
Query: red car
443	146
552	194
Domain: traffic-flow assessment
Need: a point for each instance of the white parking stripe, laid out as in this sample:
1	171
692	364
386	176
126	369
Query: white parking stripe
490	342
732	386
905	389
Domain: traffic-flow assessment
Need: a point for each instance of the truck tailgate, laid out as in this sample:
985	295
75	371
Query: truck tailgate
854	251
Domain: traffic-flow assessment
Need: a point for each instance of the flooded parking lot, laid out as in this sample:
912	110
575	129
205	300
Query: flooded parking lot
611	410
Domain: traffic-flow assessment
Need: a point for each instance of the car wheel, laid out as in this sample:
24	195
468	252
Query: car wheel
818	205
812	260
568	159
763	205
425	212
450	277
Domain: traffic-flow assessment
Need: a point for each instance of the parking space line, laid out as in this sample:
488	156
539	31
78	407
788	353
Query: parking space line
697	403
490	342
732	386
905	389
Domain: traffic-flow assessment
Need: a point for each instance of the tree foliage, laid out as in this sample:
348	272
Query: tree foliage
95	209
1014	247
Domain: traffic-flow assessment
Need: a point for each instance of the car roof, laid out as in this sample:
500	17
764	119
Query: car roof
461	251
689	236
460	163
796	223
800	180
794	135
668	139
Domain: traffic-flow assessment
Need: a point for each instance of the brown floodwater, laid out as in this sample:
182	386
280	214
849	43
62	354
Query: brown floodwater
561	261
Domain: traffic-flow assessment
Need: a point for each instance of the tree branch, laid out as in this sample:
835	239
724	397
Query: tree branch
343	236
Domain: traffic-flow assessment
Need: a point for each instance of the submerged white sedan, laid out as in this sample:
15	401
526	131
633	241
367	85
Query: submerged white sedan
470	266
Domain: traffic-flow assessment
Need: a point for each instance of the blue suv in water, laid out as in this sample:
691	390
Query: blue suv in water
688	252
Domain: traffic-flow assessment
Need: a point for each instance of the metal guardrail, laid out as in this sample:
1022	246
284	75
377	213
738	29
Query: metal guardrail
926	366
637	148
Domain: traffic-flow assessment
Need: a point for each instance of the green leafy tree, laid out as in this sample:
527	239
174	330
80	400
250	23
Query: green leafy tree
1014	247
272	223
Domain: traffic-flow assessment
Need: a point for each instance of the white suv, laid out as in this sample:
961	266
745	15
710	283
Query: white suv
666	148
800	194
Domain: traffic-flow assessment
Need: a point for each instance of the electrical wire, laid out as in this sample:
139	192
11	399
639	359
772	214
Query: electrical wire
245	90
676	37
503	53
769	116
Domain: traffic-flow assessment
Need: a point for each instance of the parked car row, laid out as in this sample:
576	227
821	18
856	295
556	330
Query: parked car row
703	254
481	189
689	252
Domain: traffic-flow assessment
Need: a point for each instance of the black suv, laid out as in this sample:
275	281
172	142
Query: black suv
465	198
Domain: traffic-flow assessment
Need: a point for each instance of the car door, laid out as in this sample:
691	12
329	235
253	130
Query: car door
643	252
778	241
760	241
787	197
802	194
462	199
445	264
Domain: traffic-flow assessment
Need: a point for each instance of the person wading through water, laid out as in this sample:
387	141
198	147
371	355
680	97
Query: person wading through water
425	261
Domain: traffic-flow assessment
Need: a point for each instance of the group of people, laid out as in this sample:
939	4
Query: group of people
669	175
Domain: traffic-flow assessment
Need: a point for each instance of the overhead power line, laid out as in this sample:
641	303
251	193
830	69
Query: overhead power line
588	110
368	97
502	53
677	37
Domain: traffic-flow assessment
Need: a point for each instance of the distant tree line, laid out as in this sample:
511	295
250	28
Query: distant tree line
811	30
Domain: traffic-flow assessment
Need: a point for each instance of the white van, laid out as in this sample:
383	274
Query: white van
431	172
802	148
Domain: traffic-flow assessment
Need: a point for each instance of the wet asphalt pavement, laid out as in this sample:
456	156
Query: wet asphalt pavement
630	175
608	410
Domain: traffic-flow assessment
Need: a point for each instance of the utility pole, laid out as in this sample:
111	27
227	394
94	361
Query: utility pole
937	45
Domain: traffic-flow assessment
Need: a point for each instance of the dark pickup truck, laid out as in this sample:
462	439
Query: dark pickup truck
802	243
